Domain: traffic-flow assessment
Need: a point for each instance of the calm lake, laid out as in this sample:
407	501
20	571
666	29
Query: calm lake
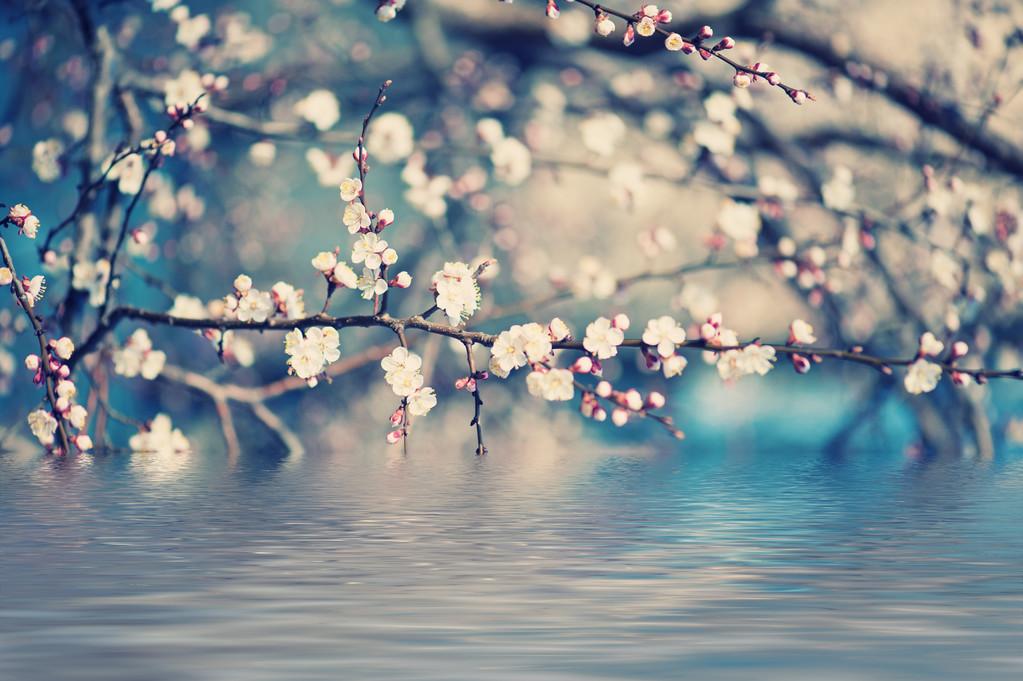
684	564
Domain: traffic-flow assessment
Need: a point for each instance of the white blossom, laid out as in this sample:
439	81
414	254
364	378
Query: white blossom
457	293
43	426
137	357
664	334
602	338
922	377
390	137
160	438
320	108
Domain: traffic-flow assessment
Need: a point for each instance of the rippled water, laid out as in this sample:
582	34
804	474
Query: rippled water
703	565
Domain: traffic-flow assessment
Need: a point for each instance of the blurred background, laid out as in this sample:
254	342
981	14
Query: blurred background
887	207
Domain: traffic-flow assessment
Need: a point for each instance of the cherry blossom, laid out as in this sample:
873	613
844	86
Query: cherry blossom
664	334
457	293
137	357
160	438
603	338
922	377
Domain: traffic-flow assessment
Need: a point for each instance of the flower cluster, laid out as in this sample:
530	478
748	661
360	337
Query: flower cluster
734	361
523	344
53	366
248	304
457	291
27	223
160	437
310	354
403	372
137	357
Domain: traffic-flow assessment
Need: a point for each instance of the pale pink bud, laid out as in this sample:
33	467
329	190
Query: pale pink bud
633	399
394	437
621	321
583	365
959	349
741	80
397	416
552	9
773	78
801	364
599	414
705	32
655	400
725	43
64	371
385	218
619	417
798	96
32	362
603	389
403	280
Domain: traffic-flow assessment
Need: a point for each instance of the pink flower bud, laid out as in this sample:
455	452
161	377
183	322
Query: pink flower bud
801	364
583	365
959	349
664	16
725	43
552	9
741	80
188	123
621	321
599	414
385	218
959	378
798	96
64	371
619	417
461	383
633	400
403	280
705	32
604	389
655	400
773	78
395	436
630	35
397	416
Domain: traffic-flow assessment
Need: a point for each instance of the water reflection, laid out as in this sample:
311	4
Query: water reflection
535	565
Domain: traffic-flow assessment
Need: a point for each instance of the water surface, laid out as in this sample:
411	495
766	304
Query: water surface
688	564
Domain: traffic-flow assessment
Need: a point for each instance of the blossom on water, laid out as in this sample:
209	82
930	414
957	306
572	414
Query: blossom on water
603	338
801	333
922	377
160	438
422	401
457	292
555	385
43	426
46	159
350	189
27	223
664	334
390	138
137	357
320	108
254	306
355	217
